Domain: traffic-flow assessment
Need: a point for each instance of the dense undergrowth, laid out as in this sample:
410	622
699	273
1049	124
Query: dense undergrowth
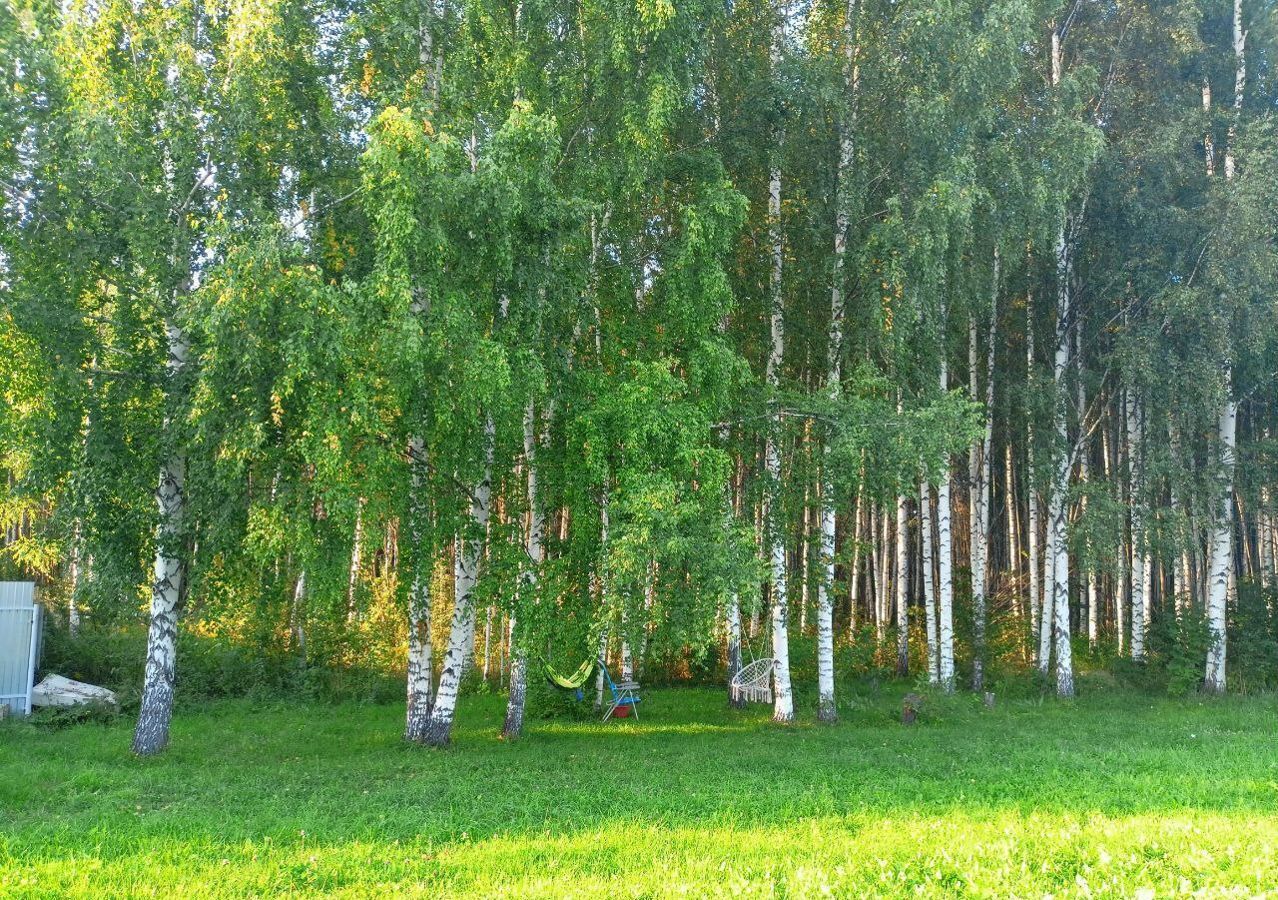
218	667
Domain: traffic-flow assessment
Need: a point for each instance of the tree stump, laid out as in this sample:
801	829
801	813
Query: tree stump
910	706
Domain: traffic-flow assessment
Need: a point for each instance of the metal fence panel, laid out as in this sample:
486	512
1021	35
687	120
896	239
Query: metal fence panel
19	635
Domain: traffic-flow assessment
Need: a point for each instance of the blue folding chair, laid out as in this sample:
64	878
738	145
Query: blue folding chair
624	693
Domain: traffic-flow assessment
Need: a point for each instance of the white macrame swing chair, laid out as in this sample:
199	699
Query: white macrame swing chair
753	682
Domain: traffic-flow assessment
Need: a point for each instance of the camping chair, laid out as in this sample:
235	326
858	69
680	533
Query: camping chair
624	693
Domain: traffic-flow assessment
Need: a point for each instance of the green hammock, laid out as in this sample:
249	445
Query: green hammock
575	680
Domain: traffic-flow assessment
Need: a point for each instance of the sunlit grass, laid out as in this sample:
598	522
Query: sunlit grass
1109	796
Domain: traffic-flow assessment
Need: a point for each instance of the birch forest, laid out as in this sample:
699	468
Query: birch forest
460	340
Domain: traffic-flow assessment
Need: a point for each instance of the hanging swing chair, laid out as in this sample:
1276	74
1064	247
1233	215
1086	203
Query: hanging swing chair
753	683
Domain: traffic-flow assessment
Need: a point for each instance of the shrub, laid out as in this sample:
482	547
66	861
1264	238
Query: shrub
55	718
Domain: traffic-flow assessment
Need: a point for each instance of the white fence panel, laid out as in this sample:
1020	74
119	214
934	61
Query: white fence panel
19	644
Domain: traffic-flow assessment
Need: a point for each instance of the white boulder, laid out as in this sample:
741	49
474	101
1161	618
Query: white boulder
55	690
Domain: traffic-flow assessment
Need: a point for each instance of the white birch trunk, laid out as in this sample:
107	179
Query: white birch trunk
420	664
649	602
1222	544
627	662
1013	526
1031	493
734	644
805	558
854	589
1111	461
489	614
734	624
535	546
602	653
156	713
1060	477
945	553
74	565
1264	529
929	590
902	582
878	561
979	482
783	698
1047	608
296	616
1139	563
1209	143
352	575
462	630
1240	87
826	710
1084	476
1222	533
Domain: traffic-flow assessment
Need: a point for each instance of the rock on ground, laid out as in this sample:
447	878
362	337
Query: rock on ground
55	690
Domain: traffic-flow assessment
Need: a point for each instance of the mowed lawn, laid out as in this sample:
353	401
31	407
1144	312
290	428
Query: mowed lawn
1108	796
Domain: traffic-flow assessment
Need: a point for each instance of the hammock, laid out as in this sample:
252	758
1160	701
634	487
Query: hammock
572	682
753	684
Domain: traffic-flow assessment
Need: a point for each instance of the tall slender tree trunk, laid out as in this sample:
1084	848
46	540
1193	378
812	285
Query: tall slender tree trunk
805	555
1222	544
783	701
421	674
734	624
734	644
902	583
1222	534
1060	477
156	713
783	697
826	710
1264	544
929	590
74	565
945	552
297	617
1109	460
979	483
420	664
1135	481
1031	493
604	592
1012	512
1084	476
878	561
470	548
535	546
352	574
854	588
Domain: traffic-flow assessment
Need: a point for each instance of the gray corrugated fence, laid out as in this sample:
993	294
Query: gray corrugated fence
19	644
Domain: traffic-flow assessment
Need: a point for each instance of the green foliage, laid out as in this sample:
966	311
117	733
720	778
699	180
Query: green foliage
1179	646
348	261
1252	665
56	718
212	668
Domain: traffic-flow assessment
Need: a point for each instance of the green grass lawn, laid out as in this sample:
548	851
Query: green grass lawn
1109	796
